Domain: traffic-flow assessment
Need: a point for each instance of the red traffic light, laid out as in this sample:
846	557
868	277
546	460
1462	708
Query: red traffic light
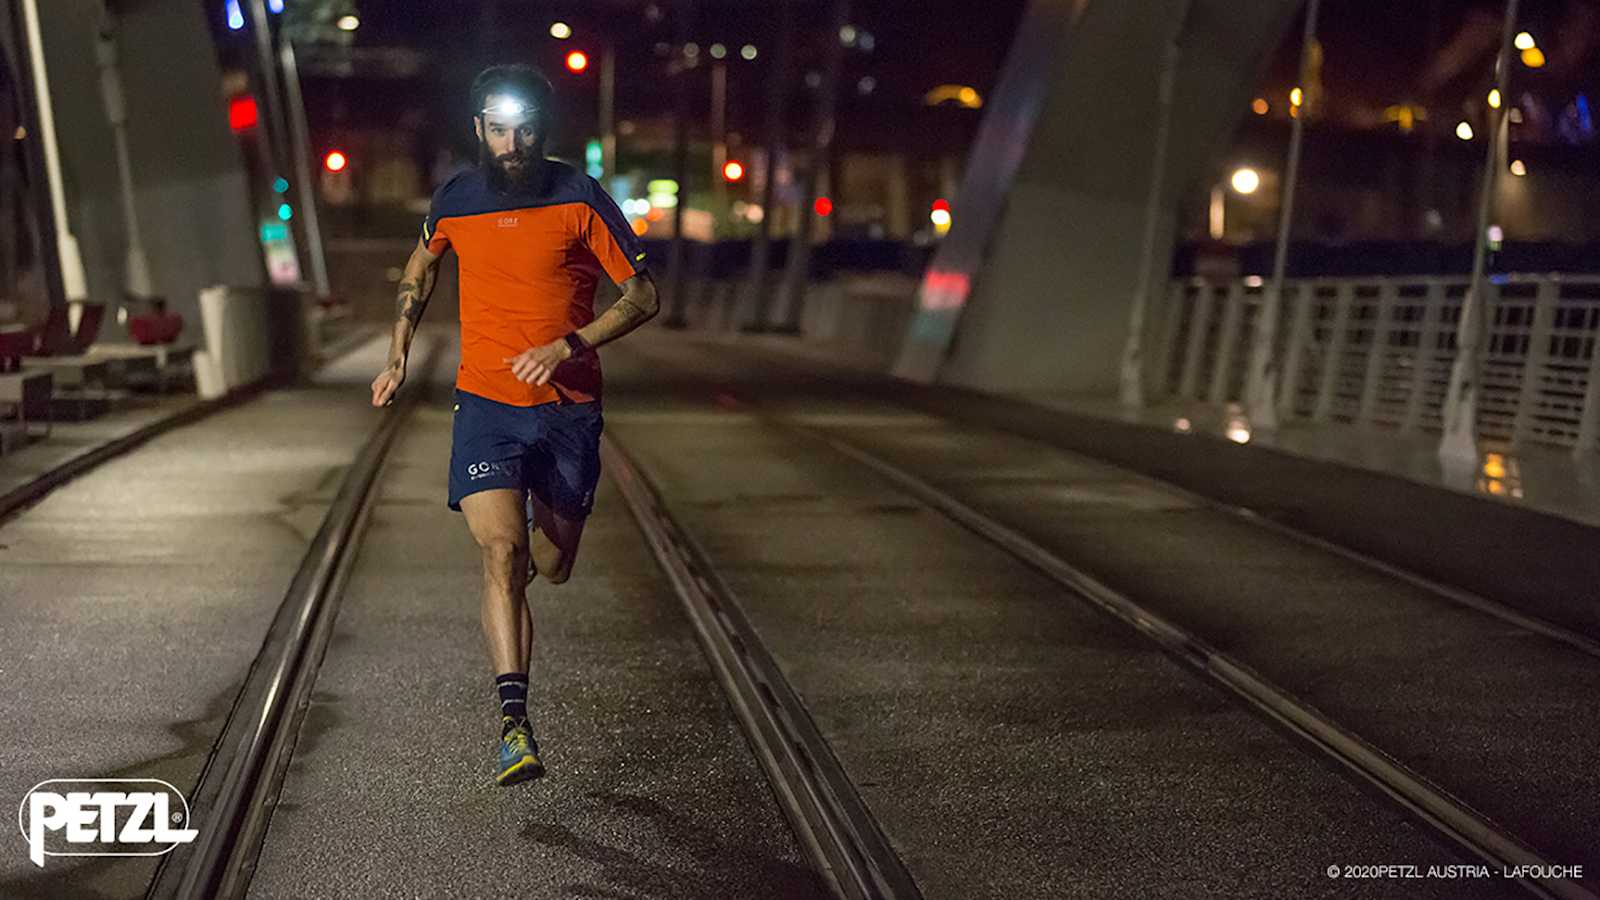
335	161
242	113
941	205
733	170
823	206
577	61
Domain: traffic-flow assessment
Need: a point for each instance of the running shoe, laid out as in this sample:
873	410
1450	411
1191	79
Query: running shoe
519	756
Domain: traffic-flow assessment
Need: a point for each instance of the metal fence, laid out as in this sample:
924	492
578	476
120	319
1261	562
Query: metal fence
1379	351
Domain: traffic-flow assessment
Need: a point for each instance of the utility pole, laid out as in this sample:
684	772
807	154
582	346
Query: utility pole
1459	444
777	94
1131	393
136	274
74	284
798	272
1261	386
678	318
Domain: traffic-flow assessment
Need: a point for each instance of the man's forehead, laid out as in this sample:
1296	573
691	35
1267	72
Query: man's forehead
507	111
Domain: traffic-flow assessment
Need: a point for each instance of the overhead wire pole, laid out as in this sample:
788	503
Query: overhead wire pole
1459	442
1131	389
608	108
756	293
302	163
136	276
1261	386
74	283
798	270
678	318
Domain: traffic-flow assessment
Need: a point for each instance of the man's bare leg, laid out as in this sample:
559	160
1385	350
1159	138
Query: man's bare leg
553	542
496	520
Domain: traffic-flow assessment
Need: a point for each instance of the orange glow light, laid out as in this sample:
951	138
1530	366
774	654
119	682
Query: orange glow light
577	61
823	206
336	161
733	171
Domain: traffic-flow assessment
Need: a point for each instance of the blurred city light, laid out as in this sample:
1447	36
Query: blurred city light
1533	58
1260	106
348	23
718	51
577	61
866	85
275	6
823	206
1246	180
960	93
847	35
243	113
941	203
235	15
1297	97
1525	41
285	212
280	185
1518	168
560	30
1464	131
640	226
1494	98
733	170
335	161
748	51
941	220
1497	237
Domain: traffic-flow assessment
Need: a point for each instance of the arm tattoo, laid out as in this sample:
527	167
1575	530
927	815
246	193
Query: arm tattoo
412	300
629	311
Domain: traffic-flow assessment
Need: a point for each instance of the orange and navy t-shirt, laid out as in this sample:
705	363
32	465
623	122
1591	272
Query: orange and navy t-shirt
530	262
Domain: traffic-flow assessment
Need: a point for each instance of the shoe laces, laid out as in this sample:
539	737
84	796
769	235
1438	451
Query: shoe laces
517	739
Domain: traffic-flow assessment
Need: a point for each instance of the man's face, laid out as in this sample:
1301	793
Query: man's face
509	140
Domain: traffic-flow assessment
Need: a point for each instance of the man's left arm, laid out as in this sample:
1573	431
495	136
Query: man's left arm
638	305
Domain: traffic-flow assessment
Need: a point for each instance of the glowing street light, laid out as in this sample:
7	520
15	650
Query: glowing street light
1246	180
1297	97
577	61
1464	131
348	23
1525	41
1533	58
1518	168
336	161
1494	99
1260	106
733	171
560	30
748	52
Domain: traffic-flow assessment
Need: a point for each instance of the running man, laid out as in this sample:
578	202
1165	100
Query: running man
533	236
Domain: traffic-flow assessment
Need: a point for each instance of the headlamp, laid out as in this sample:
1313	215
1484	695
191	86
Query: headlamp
509	108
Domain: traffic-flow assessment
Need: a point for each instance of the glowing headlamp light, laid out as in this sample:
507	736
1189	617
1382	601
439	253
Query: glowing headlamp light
509	108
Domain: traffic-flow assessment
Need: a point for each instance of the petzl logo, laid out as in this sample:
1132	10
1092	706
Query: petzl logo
103	817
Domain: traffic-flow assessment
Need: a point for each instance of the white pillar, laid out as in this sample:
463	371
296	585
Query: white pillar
1460	441
1261	384
73	282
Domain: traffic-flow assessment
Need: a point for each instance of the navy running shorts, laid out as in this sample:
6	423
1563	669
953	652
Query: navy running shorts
551	450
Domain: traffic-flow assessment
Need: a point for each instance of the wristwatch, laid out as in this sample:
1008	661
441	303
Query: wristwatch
579	348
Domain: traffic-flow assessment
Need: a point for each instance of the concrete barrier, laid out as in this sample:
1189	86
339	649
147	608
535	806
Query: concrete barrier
249	335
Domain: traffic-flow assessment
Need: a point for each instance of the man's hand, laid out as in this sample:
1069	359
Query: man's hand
535	365
388	382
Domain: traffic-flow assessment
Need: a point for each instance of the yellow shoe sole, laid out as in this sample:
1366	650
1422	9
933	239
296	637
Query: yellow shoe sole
527	769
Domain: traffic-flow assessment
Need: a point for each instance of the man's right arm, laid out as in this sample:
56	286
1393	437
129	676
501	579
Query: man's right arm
416	287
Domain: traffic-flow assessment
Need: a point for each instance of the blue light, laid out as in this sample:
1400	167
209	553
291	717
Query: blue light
285	212
281	185
275	6
235	15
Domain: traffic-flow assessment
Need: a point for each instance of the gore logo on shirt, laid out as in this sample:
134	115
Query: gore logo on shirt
507	222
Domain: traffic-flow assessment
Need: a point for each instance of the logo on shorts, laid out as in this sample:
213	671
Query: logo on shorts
105	813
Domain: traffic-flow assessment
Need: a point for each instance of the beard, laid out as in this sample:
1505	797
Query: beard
511	172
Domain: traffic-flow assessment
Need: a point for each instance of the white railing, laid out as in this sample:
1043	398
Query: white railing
1379	351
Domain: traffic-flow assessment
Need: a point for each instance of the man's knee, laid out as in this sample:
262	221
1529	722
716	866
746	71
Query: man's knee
503	553
554	566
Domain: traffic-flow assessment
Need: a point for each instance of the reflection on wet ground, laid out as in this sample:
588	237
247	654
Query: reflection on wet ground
1549	479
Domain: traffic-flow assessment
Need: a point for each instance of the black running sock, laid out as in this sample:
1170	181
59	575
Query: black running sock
513	688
